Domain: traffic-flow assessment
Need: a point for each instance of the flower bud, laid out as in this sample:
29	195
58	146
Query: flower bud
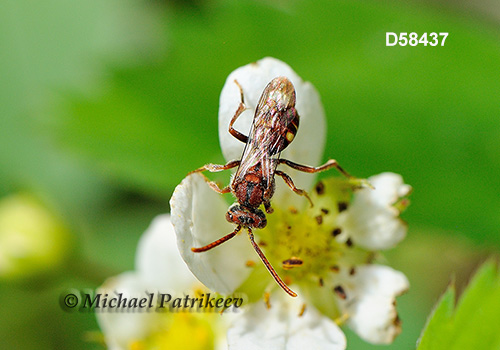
33	240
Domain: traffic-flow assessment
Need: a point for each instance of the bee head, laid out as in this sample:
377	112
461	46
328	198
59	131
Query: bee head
254	218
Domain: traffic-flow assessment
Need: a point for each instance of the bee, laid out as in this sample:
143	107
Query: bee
274	127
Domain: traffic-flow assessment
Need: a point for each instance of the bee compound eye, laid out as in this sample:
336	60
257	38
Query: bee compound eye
249	221
260	223
260	219
230	216
234	208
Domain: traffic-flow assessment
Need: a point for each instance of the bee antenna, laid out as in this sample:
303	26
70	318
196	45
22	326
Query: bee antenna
217	242
268	265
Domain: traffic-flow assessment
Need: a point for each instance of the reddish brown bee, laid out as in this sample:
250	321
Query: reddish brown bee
274	126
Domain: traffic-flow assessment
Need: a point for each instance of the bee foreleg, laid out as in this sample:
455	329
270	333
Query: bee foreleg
289	182
269	209
216	168
213	168
214	186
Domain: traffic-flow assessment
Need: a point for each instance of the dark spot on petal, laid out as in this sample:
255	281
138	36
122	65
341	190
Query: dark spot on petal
335	268
342	206
340	292
336	232
321	282
319	219
262	243
320	188
325	211
349	242
352	271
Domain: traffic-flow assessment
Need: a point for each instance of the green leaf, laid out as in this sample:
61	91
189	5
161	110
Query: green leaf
473	323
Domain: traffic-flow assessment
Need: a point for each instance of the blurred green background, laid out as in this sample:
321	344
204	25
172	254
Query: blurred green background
106	105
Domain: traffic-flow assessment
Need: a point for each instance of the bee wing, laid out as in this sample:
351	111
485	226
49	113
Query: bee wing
257	151
253	154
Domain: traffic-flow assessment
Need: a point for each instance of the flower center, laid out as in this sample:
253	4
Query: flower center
309	244
179	331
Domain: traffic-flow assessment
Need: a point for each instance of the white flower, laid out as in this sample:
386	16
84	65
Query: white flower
159	269
336	239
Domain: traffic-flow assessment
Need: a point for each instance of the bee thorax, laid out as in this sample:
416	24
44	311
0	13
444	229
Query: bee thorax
251	192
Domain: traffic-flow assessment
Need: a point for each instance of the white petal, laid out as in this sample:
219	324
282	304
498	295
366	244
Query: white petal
371	220
158	260
120	327
281	327
370	304
306	148
378	280
389	187
198	216
375	320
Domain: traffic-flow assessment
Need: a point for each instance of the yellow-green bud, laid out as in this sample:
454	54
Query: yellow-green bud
33	240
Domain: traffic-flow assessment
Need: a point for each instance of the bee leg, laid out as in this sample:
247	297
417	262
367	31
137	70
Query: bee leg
332	163
241	108
214	186
216	168
290	184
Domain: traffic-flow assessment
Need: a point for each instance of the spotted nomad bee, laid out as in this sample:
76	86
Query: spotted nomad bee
274	127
